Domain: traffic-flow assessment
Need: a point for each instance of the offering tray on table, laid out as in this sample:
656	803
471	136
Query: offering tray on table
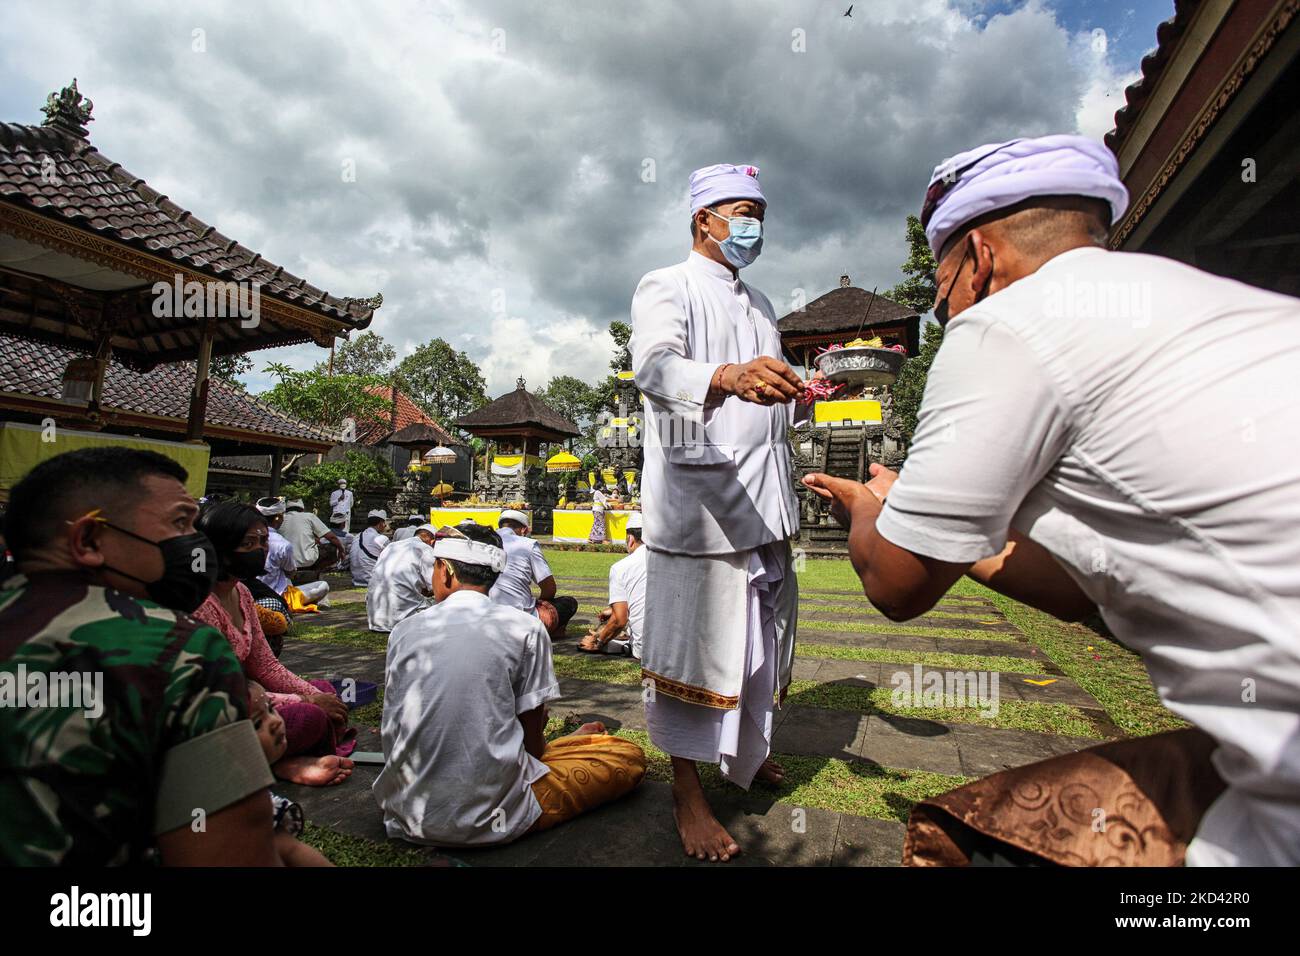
861	365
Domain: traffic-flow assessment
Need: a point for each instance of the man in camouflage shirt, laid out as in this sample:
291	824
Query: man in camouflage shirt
123	725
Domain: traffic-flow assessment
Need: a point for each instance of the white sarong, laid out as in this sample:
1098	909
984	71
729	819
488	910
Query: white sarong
718	645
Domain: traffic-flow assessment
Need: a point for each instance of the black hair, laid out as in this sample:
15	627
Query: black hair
634	533
476	575
226	523
374	521
65	487
512	524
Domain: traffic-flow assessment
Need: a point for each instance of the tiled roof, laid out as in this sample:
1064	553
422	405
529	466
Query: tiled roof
52	172
520	407
36	369
843	309
407	413
1168	34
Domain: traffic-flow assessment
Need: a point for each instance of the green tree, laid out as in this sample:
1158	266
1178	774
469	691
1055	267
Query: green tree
917	291
228	368
363	472
327	402
579	402
622	334
445	383
910	387
367	354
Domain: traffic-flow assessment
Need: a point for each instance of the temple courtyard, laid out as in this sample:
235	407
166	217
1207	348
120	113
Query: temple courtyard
857	752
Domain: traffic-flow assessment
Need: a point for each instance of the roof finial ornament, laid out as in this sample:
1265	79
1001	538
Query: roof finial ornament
844	281
519	383
69	111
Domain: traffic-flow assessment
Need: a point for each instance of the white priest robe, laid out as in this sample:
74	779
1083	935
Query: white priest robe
718	497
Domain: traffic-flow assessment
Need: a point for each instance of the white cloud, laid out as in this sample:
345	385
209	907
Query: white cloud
500	146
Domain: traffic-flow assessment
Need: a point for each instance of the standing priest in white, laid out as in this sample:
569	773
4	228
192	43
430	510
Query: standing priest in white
718	495
341	499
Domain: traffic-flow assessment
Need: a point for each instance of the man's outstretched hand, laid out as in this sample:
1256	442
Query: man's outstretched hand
848	497
764	381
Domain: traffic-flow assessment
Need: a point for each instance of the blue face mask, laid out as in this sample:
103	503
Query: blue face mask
744	240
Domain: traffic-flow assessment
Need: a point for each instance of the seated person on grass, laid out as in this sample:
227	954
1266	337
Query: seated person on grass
526	566
620	626
402	581
286	816
466	686
106	577
367	548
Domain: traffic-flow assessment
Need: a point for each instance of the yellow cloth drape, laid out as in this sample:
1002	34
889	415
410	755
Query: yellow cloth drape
586	772
297	603
23	447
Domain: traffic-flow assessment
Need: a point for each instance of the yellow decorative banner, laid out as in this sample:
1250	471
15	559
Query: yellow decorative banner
23	447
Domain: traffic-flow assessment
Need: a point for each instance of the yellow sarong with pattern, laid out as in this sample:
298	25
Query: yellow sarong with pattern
586	771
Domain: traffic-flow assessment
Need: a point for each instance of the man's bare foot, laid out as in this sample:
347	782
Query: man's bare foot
771	772
703	837
313	771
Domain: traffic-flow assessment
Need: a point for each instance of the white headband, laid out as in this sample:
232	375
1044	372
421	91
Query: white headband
470	552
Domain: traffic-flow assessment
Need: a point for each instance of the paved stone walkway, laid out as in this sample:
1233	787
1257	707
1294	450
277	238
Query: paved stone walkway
639	830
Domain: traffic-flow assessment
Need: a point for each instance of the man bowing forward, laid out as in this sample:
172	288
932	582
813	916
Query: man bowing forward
717	491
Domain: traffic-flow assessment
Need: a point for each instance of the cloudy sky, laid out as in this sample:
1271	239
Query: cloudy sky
505	172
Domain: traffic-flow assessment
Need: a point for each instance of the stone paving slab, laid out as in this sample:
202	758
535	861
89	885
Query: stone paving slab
310	657
925	643
639	831
1017	646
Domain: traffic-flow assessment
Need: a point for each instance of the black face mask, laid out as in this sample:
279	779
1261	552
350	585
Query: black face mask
189	570
245	564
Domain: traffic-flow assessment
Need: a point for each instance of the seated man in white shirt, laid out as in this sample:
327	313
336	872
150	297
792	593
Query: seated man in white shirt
621	623
338	524
526	566
366	549
408	530
466	685
402	580
1111	403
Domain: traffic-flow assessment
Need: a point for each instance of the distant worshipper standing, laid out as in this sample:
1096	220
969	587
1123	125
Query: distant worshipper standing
622	623
402	580
526	566
315	547
367	547
718	490
315	718
341	503
1136	456
109	567
463	729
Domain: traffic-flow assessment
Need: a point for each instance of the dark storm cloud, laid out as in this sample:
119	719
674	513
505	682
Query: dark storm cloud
499	148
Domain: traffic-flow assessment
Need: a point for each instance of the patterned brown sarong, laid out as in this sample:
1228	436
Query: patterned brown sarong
1129	803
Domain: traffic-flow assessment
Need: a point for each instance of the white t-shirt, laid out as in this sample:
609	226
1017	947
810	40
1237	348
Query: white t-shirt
303	530
365	551
279	562
1153	447
525	566
627	585
458	675
401	576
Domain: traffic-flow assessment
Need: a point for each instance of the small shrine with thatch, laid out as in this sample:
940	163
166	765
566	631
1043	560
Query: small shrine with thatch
516	427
